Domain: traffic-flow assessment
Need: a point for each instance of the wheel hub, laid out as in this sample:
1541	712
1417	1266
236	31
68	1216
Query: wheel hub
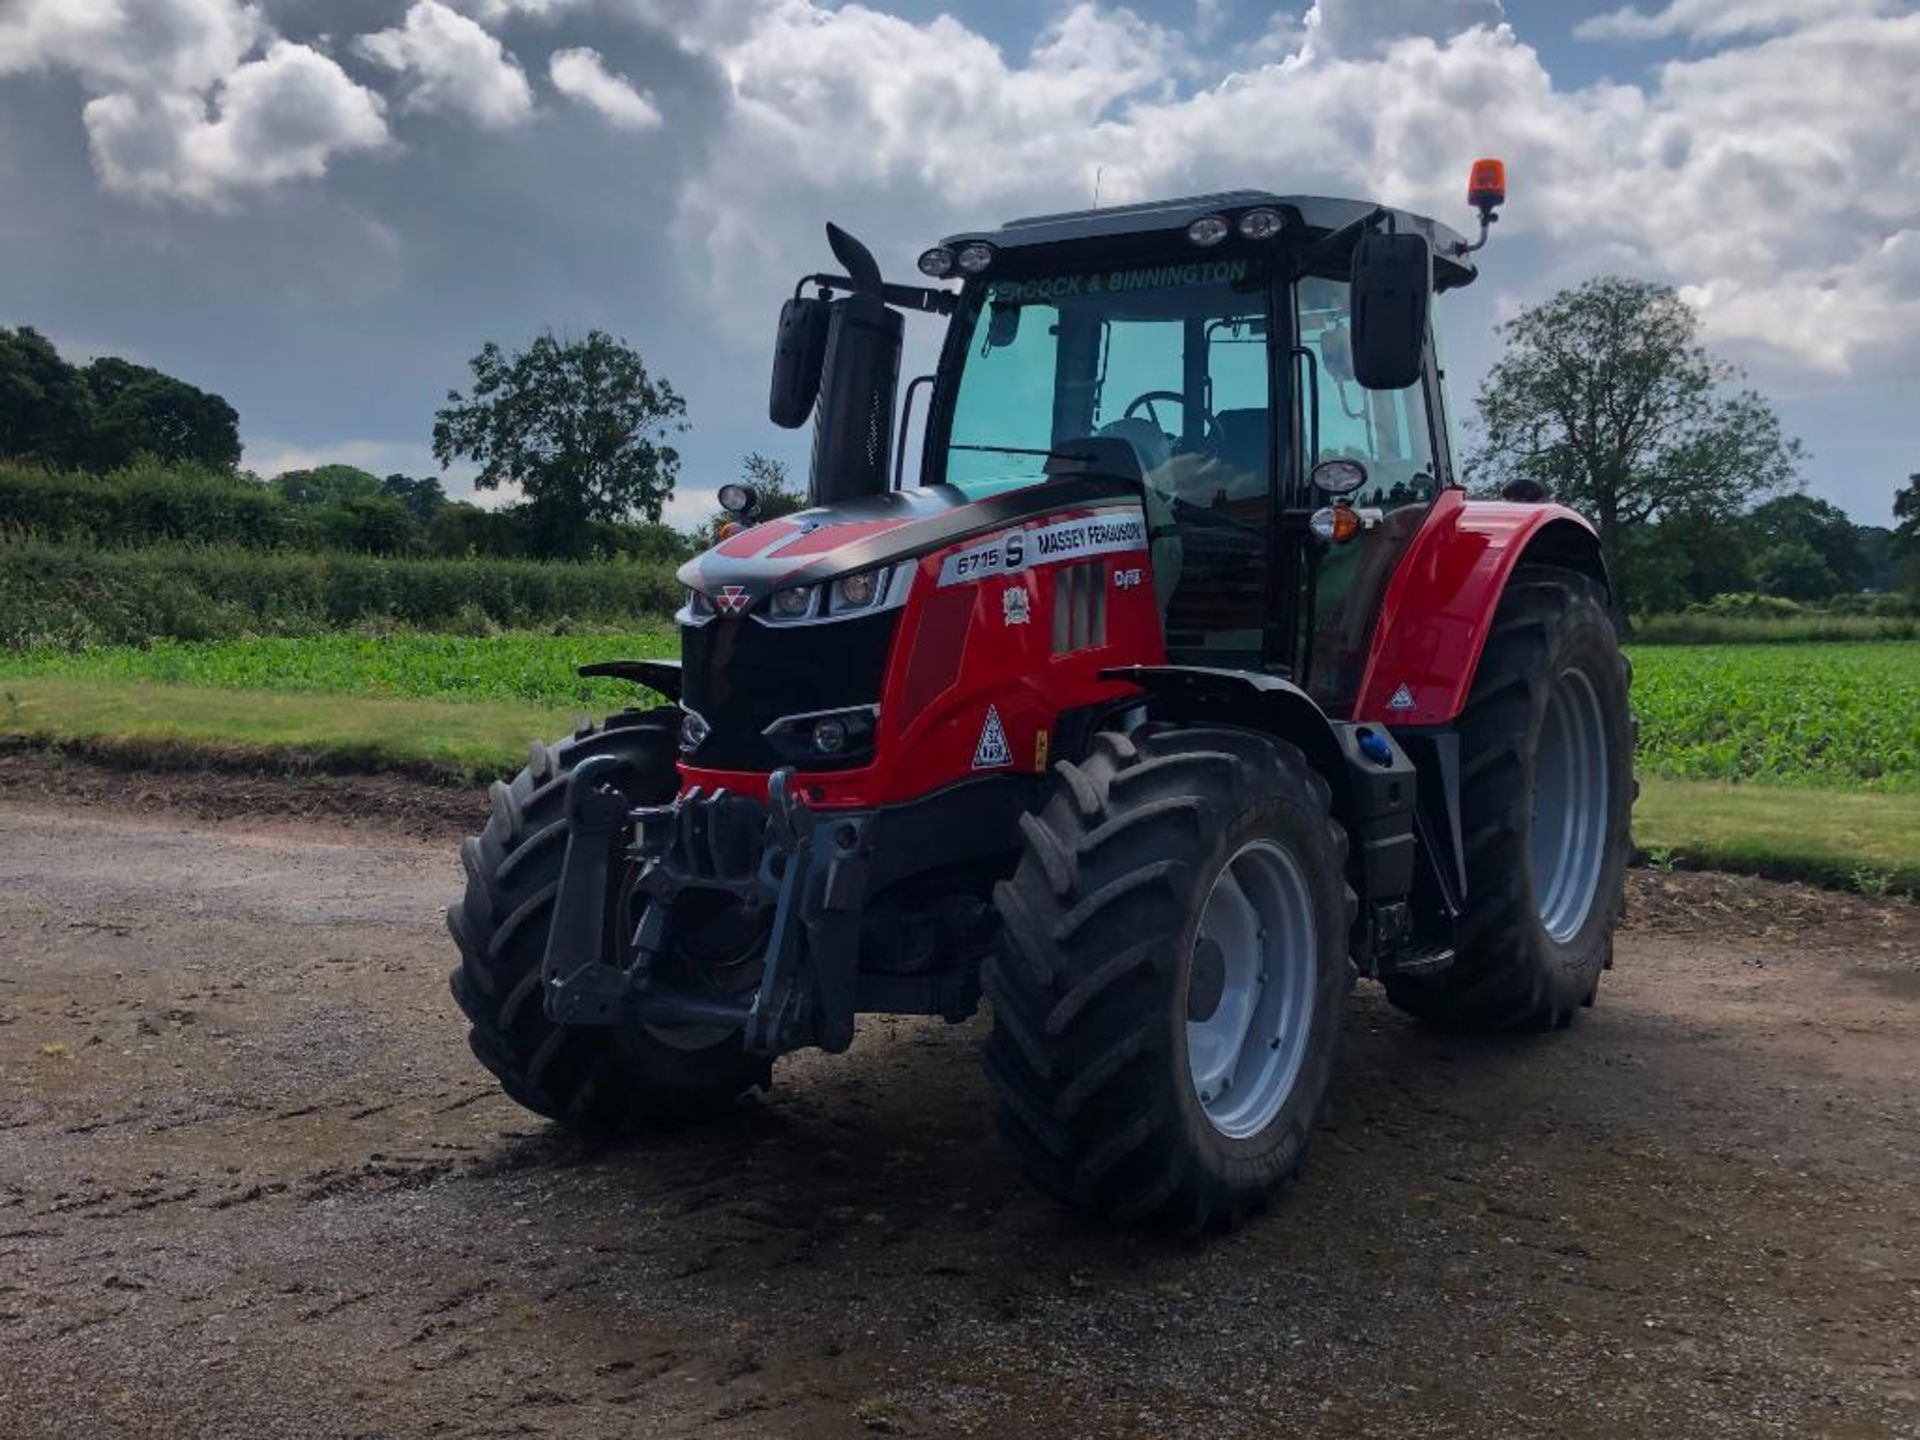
1250	989
1568	844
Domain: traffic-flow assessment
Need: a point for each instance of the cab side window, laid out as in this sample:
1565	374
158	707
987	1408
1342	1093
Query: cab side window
1391	434
1388	431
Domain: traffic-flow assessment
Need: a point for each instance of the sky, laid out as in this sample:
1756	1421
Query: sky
321	208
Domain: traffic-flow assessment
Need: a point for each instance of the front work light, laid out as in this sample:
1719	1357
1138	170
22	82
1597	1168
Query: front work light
1208	230
1262	224
737	499
975	257
936	263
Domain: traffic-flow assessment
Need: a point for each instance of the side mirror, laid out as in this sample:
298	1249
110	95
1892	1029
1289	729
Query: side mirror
1392	292
799	355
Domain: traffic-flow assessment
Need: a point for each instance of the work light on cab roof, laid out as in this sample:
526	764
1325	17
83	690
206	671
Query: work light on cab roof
1172	682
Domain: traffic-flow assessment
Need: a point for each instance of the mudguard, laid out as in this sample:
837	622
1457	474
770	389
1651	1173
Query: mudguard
1439	604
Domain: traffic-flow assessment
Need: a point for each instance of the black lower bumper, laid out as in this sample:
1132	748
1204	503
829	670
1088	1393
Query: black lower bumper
815	876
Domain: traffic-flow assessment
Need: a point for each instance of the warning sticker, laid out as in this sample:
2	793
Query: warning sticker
1401	699
993	751
1009	554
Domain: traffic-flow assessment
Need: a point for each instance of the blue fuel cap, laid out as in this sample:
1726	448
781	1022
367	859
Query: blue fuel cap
1374	746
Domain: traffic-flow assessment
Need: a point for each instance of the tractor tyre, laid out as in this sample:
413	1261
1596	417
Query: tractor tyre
1547	787
1169	983
589	1078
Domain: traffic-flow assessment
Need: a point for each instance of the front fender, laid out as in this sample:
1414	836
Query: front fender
1439	605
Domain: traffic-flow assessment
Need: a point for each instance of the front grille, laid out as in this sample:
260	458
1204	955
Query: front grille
741	676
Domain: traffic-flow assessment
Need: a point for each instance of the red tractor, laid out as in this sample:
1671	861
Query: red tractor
1186	686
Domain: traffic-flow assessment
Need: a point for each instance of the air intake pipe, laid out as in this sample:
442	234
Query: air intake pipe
860	377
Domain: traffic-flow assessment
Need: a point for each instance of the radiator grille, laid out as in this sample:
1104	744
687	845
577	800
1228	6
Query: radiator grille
1079	607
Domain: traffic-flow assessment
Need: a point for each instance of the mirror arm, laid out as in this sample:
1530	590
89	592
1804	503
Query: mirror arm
1331	245
906	419
905	297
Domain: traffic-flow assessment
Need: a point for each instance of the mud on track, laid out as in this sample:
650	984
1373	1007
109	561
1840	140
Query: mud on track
252	1185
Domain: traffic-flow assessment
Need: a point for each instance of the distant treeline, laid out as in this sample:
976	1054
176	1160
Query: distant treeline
73	595
333	507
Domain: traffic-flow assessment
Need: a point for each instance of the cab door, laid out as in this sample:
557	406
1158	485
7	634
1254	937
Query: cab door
1393	435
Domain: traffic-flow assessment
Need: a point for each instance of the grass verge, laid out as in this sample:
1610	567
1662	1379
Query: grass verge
439	740
1859	840
1863	841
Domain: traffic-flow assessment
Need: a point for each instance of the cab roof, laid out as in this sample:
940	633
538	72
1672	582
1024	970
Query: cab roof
1155	222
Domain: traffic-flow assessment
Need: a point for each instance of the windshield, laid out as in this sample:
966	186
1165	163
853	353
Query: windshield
1170	358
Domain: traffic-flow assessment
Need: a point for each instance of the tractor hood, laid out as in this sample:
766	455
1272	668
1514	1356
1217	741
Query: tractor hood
820	545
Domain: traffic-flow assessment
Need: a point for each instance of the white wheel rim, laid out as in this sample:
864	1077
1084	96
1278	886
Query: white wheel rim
1257	940
1568	845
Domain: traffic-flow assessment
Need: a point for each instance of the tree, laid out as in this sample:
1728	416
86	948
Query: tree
1793	570
327	485
424	498
578	425
1906	533
1607	399
1821	526
46	410
140	411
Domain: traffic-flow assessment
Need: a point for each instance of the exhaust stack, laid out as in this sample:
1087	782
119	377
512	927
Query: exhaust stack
853	426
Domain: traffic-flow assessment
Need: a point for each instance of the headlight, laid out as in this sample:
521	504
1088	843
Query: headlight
697	610
856	592
975	257
792	604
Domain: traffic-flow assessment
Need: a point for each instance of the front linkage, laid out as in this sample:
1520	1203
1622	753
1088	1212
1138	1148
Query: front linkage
810	869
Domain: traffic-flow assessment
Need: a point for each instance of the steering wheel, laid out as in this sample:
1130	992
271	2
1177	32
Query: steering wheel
1209	430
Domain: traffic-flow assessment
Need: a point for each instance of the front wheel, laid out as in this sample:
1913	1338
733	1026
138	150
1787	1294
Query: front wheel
1168	990
592	1077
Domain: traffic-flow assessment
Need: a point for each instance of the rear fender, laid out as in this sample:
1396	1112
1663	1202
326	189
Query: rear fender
1440	603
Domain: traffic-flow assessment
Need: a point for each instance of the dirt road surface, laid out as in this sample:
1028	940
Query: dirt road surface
252	1185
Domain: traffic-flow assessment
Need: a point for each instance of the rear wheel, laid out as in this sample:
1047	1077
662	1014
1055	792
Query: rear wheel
1168	990
1546	792
587	1077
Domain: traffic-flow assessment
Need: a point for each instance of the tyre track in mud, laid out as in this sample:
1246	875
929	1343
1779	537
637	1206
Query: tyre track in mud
251	1184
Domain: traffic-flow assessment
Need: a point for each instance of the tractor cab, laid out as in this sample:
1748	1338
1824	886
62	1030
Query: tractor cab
1219	352
1214	339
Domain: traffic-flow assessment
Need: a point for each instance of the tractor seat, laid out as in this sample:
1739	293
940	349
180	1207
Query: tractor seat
1240	442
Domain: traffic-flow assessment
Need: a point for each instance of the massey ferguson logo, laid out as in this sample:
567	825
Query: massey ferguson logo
731	600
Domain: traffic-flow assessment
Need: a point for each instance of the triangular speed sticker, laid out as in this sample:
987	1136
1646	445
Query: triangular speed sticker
1402	699
993	750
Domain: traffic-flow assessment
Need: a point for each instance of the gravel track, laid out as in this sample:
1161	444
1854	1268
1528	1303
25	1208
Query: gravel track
252	1185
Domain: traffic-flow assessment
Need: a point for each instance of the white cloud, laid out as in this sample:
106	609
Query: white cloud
581	75
174	45
277	118
1361	27
1719	19
452	65
1792	238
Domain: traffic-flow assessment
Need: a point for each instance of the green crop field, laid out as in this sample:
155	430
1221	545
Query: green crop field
1731	736
1845	716
1836	715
